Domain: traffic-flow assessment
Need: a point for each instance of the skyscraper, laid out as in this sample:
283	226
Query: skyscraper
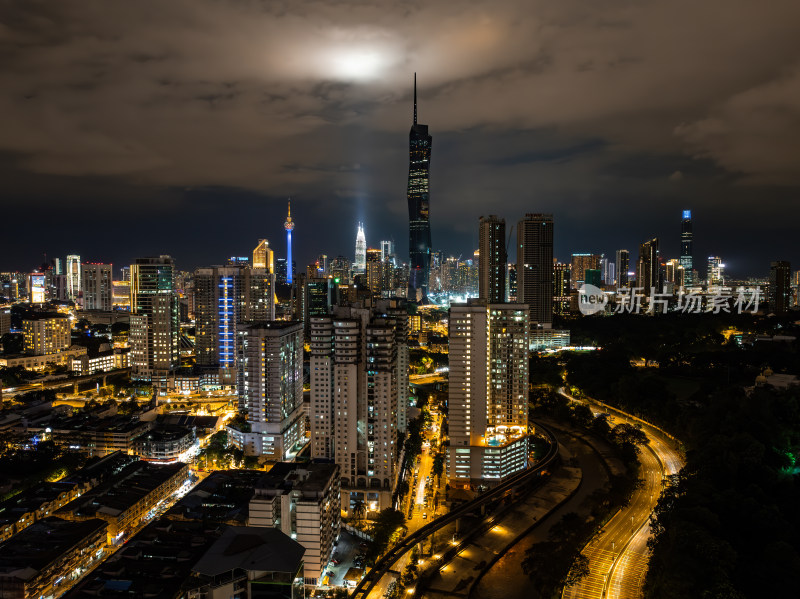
535	266
359	392
511	283
226	296
488	391
622	264
561	298
263	256
780	290
580	264
271	387
73	276
715	275
686	246
360	263
419	228
647	268
96	284
154	333
492	270
387	251
289	226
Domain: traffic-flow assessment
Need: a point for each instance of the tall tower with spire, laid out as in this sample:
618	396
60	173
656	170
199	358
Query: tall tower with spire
419	228
360	264
289	226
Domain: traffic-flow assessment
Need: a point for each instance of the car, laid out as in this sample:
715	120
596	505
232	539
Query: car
424	516
336	561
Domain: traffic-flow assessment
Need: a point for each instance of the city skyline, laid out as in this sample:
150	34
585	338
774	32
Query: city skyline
167	123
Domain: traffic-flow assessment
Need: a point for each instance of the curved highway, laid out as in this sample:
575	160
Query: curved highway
618	555
390	560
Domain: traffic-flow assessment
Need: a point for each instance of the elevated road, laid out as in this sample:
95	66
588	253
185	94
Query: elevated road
394	559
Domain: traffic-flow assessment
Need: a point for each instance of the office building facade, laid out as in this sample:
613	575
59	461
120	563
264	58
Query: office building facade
493	265
623	258
687	240
780	290
579	265
535	267
647	267
97	286
419	228
224	297
155	328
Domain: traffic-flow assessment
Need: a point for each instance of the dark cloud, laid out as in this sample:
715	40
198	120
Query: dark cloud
612	115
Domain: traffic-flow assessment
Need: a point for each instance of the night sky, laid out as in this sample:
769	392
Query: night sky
182	127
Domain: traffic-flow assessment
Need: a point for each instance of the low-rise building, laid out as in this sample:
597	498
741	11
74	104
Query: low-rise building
98	436
104	361
46	557
250	562
302	500
127	499
29	362
223	497
157	562
34	504
165	443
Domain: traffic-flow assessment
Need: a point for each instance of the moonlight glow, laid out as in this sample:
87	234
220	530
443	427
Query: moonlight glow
358	64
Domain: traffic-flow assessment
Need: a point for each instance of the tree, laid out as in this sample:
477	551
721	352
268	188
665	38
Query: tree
359	509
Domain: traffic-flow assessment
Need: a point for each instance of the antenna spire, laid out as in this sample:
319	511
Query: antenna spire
415	98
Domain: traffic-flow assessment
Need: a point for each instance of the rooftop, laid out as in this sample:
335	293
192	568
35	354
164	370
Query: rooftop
312	478
25	554
222	497
263	549
115	496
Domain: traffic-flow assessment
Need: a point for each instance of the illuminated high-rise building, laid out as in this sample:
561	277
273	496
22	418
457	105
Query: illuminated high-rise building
37	288
488	391
374	269
360	263
780	289
419	227
155	331
580	264
45	334
674	273
263	256
511	282
289	226
226	296
623	258
686	246
271	388
492	268
561	297
97	286
359	392
715	275
387	251
647	267
73	276
535	267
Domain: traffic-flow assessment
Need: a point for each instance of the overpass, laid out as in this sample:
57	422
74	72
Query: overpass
501	491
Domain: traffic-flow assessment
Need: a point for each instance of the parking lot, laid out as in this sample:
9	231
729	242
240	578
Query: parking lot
346	553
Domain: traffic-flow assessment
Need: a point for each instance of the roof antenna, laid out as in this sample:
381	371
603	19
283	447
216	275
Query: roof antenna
415	98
